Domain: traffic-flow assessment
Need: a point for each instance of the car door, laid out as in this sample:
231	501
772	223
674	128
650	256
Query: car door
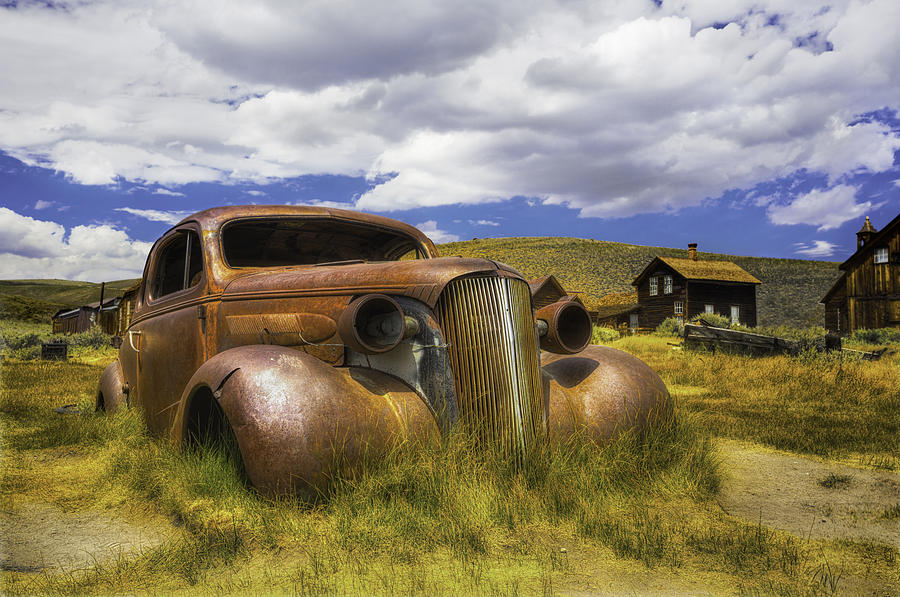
170	338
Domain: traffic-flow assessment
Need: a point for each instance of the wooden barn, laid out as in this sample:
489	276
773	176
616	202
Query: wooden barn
867	295
684	288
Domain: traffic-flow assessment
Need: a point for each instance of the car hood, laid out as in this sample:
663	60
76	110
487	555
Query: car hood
420	279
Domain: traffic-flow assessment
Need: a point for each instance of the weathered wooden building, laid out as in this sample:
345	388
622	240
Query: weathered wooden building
624	318
114	316
867	295
684	288
81	319
547	290
125	310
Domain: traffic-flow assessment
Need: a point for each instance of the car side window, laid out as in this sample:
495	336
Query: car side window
195	260
179	264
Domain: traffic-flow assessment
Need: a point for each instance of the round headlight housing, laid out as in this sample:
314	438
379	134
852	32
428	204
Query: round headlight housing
375	323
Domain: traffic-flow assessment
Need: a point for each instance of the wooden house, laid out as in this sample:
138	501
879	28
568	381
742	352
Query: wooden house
867	295
684	288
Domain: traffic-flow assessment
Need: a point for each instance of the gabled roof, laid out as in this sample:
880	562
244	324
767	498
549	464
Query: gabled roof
873	242
539	284
714	271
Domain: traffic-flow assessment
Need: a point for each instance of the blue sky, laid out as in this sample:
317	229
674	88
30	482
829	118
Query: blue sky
764	127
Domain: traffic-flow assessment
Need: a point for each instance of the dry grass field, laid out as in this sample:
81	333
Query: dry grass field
91	504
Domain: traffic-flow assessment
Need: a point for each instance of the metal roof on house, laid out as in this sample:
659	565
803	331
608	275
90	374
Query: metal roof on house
714	271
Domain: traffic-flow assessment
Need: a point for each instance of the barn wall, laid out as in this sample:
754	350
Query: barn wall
873	290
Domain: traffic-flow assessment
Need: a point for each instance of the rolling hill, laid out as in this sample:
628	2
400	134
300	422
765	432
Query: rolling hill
38	300
789	295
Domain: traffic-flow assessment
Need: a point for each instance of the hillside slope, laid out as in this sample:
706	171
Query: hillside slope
63	292
789	295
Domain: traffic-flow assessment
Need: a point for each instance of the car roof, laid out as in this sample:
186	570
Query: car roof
214	218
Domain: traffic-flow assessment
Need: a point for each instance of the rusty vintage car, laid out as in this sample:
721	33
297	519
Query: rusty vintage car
314	335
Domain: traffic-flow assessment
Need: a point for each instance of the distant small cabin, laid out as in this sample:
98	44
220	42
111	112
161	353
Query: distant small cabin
547	290
81	319
684	288
867	295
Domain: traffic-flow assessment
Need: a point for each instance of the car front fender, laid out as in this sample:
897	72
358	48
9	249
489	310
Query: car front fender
602	392
298	421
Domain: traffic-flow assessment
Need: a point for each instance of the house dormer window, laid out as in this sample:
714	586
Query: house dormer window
653	286
881	255
667	285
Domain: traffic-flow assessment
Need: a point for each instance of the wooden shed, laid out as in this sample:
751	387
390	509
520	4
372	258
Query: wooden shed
867	295
71	321
684	288
81	319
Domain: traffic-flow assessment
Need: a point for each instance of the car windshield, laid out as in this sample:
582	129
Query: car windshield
309	241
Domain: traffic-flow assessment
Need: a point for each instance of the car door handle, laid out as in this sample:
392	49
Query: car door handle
131	334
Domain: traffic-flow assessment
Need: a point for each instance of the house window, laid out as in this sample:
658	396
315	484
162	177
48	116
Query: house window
653	287
707	308
735	314
881	255
667	285
679	308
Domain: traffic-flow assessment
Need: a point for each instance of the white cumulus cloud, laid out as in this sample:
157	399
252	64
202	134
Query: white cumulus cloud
610	108
816	248
824	208
431	230
32	248
156	215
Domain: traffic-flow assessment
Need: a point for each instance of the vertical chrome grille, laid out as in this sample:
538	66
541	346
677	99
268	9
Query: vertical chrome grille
496	365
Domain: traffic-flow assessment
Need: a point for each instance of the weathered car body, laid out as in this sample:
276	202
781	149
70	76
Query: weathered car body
317	335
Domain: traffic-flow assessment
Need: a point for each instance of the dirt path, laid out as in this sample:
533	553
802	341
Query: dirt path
808	497
42	537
